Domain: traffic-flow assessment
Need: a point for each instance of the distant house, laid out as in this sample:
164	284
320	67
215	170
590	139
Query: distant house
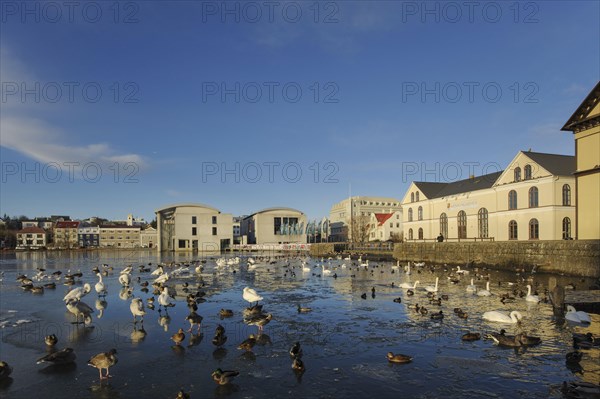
66	234
31	238
383	226
88	236
29	223
119	236
148	237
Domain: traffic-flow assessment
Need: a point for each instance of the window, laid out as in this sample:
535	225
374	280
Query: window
420	213
397	225
512	230
517	174
512	199
533	197
534	229
410	215
193	219
410	234
214	231
527	170
181	244
444	225
412	197
566	229
214	220
417	197
194	231
482	223
566	195
391	224
420	233
462	224
397	216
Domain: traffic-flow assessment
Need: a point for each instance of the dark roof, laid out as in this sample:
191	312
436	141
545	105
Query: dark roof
32	230
559	165
581	113
438	190
66	225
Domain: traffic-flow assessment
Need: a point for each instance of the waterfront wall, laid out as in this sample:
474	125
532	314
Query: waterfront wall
570	257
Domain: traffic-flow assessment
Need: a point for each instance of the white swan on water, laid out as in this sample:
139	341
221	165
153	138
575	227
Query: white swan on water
485	292
431	288
471	287
251	295
78	293
501	317
577	316
409	286
100	288
531	298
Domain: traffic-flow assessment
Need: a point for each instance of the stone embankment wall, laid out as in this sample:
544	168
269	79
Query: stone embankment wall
570	257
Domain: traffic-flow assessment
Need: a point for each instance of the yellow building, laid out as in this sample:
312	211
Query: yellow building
66	234
585	124
119	236
532	199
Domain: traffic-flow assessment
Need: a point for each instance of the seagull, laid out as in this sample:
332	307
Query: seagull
104	361
250	295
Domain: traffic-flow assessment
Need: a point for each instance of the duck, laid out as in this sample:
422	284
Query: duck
580	390
194	319
77	293
104	360
364	296
250	295
431	288
437	316
531	298
585	341
471	336
296	350
410	292
137	309
224	377
5	370
225	313
248	343
63	356
409	285
178	337
50	340
298	365
219	339
398	358
50	286
574	357
182	395
577	316
303	310
485	292
500	317
260	321
398	300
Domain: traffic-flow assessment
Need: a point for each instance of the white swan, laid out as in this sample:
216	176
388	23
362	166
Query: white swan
159	270
407	271
125	279
251	295
162	278
365	263
531	298
485	292
459	271
502	317
325	272
577	316
100	288
78	293
164	299
137	309
409	286
431	288
471	287
79	308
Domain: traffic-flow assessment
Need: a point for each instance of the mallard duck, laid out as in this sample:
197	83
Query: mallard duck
585	341
574	357
61	357
219	339
178	337
253	310
50	340
260	321
296	350
225	313
104	360
303	310
38	289
297	364
462	315
50	286
437	316
471	336
398	358
194	319
224	377
248	343
410	292
182	395
364	296
5	370
398	300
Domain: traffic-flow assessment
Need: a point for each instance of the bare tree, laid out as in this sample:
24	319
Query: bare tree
359	229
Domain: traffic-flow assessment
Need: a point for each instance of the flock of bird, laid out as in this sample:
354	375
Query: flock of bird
166	294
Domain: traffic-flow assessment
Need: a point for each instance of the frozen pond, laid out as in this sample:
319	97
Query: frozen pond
344	338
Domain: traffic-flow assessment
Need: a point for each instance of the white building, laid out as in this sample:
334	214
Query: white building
29	223
31	238
385	226
275	226
532	199
149	237
193	227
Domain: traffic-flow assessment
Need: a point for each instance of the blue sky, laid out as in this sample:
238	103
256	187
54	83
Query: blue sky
115	108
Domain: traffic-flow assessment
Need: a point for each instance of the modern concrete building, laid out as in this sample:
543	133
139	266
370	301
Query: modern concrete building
354	214
149	237
31	238
193	227
89	236
532	199
119	236
585	124
66	234
385	226
276	225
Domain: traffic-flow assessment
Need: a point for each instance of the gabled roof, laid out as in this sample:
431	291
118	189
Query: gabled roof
382	217
438	190
32	230
559	165
66	225
430	189
581	114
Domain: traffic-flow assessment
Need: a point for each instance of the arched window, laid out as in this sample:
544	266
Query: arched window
566	229
410	234
420	233
482	223
566	194
517	174
410	215
512	199
512	230
444	225
462	224
420	213
527	171
412	197
417	197
533	197
534	229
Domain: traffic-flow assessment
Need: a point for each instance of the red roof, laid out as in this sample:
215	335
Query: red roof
382	217
32	230
66	225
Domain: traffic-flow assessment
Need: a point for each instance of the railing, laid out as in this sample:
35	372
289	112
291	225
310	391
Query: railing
382	246
468	239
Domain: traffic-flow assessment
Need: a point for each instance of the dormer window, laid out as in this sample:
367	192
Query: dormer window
517	174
